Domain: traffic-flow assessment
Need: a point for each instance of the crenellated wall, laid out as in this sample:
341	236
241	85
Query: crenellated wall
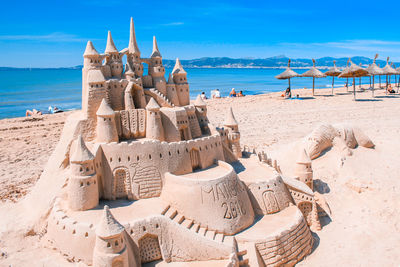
145	168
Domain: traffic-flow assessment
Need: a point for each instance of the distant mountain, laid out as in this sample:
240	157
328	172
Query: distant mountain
271	62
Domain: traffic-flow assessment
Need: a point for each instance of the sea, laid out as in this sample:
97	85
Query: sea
23	89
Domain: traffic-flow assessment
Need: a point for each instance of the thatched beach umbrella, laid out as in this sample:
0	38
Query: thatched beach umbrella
314	73
352	72
287	74
388	70
373	70
333	72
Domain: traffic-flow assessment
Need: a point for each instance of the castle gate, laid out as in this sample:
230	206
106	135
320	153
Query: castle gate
149	248
270	202
121	182
148	181
195	158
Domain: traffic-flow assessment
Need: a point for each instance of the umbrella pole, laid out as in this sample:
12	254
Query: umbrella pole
386	83
359	83
373	85
313	82
289	85
354	88
369	81
347	84
379	81
333	83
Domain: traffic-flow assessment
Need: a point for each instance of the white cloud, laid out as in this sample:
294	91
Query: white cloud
178	23
51	37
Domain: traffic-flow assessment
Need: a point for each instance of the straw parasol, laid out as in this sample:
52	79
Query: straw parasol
352	72
373	70
333	72
388	70
287	74
314	73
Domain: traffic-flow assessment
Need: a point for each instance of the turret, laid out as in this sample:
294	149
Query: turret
106	126
128	99
91	62
201	113
303	170
233	134
133	55
129	73
91	58
182	86
83	192
110	246
154	127
157	70
113	58
171	91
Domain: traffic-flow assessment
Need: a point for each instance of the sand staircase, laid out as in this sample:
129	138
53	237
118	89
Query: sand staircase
178	218
161	99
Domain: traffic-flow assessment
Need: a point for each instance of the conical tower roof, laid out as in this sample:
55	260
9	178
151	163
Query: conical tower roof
178	67
110	47
230	120
104	109
81	153
170	79
90	50
303	157
108	225
156	52
199	102
152	105
133	47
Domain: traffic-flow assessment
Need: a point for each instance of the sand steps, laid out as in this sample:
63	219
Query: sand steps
189	224
161	99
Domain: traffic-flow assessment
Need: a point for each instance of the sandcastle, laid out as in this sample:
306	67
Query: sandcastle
148	178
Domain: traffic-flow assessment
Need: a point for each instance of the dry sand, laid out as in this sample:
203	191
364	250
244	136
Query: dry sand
363	190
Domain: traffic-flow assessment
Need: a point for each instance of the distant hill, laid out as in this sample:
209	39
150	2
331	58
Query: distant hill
272	62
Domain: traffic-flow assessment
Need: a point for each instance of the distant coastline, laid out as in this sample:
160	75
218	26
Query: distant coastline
279	62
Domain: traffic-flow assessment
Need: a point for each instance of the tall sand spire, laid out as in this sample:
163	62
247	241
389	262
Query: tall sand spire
110	47
156	52
133	47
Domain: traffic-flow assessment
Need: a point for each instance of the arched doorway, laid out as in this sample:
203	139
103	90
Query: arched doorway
195	159
149	248
270	202
121	182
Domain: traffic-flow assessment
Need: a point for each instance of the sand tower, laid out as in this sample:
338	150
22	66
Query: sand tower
304	170
154	128
156	69
113	58
182	86
171	91
106	127
233	134
110	247
83	192
201	113
133	55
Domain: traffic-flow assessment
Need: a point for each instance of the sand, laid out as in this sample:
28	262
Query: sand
363	190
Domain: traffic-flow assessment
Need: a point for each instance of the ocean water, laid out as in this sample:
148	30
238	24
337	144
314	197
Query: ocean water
22	89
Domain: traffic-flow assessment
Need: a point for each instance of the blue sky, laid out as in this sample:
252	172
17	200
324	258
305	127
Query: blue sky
54	33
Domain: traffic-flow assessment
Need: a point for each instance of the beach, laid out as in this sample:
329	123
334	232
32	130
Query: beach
362	190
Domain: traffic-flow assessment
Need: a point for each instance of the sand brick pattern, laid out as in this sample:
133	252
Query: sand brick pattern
149	180
288	248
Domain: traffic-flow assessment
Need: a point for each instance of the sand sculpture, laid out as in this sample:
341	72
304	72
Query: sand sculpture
148	178
342	135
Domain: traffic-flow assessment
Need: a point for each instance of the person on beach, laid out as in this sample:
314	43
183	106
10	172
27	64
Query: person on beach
232	93
240	94
32	112
203	96
288	93
215	93
390	89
